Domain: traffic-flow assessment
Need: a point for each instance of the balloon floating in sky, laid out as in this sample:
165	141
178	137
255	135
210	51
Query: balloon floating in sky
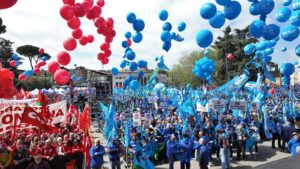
272	31
223	2
61	76
4	4
181	26
257	28
204	68
208	10
295	18
163	15
218	20
286	2
204	38
297	50
290	32
134	84
232	10
114	71
283	14
249	49
283	49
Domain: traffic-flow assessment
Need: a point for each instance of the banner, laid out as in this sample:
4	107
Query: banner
217	104
238	105
11	110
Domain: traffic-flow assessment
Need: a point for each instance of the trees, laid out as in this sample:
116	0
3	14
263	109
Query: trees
31	52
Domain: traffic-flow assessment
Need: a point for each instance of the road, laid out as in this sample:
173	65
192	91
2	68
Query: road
265	155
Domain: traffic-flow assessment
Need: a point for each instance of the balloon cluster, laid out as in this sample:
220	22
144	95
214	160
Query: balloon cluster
138	25
15	60
262	8
232	10
4	4
286	70
166	36
204	68
7	84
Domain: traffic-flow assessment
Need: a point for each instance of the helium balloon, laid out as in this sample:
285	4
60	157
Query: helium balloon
13	63
272	43
265	6
165	36
140	74
128	35
22	77
137	37
94	12
105	46
70	44
262	45
249	49
129	42
99	22
206	52
296	63
134	84
107	53
283	49
204	38
257	28
272	31
283	14
296	5
74	23
41	51
63	58
105	61
138	25
15	57
167	26
125	44
79	10
229	56
123	64
131	77
28	73
90	38
208	10
167	46
114	71
73	77
218	20
4	4
290	32
133	66
181	26
67	12
61	77
287	2
130	55
53	66
83	40
223	2
131	17
232	10
100	56
297	50
163	15
269	51
295	18
69	2
142	63
253	9
100	3
36	71
268	58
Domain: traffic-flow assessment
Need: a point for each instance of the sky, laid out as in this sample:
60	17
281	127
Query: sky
38	23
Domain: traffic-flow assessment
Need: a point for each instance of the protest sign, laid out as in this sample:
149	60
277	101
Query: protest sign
238	105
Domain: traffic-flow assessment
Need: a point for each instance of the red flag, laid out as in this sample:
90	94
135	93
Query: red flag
30	116
85	122
42	101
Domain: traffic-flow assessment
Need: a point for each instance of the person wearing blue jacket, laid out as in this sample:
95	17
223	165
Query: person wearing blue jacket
203	154
97	152
186	144
294	144
171	151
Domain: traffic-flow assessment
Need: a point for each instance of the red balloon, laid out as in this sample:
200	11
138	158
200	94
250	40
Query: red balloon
105	61
13	63
100	56
42	63
90	38
109	22
53	66
70	44
79	10
4	4
69	2
41	51
101	30
87	4
105	46
74	23
36	71
129	42
22	77
61	77
77	33
101	3
37	66
94	12
67	12
107	53
98	22
229	56
109	39
63	58
83	40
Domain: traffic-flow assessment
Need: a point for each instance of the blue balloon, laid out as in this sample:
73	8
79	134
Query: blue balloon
163	15
223	2
253	9
28	73
297	50
142	64
167	26
165	36
123	64
204	38
131	17
181	26
296	5
290	32
126	82
128	35
260	46
133	66
18	63
125	44
257	28
206	52
137	37
140	74
268	58
287	69
208	10
134	84
287	2
79	79
73	77
296	63
249	49
131	77
232	10
45	58
283	49
295	18
218	20
167	46
269	51
15	57
272	31
265	6
138	25
130	55
272	43
283	14
114	71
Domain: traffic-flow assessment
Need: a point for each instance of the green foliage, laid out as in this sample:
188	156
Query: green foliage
33	83
2	27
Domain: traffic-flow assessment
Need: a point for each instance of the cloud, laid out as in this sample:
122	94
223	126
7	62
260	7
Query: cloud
39	23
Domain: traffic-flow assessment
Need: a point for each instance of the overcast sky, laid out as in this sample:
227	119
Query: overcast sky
38	22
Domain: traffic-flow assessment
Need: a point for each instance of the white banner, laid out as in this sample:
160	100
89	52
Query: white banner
238	105
217	104
11	113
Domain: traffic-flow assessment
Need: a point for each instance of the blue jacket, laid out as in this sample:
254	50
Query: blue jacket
171	149
97	156
292	146
203	154
114	151
187	145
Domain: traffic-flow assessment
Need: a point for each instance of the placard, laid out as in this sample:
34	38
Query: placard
218	104
163	104
152	99
238	105
148	116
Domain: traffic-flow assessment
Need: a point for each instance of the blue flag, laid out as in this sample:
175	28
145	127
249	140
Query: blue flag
127	135
104	110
